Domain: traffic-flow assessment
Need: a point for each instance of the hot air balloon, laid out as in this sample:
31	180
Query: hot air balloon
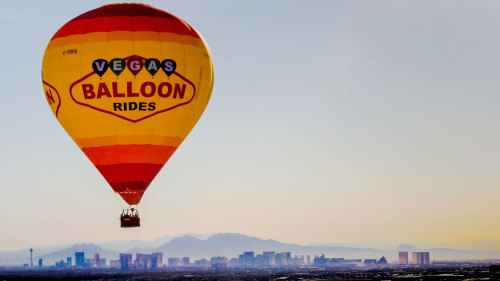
127	82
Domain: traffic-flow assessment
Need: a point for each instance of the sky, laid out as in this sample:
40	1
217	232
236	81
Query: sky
369	123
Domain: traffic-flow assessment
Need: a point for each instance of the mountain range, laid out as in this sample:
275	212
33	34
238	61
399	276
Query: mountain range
198	246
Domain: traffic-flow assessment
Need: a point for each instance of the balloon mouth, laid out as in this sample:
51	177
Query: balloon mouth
131	197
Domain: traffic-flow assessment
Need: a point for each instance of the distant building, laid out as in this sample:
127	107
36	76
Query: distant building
79	258
102	262
125	261
114	264
186	261
97	261
269	258
320	261
218	263
60	264
174	262
297	261
88	263
280	260
249	260
382	261
337	261
403	257
259	261
234	262
203	263
420	258
158	258
40	262
288	257
241	264
146	261
308	259
68	261
370	261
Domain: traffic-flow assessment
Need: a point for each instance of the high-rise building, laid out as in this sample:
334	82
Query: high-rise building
403	257
186	261
269	258
97	260
240	261
79	258
287	257
420	258
249	260
40	262
279	259
427	259
259	261
125	261
158	258
68	261
308	259
146	260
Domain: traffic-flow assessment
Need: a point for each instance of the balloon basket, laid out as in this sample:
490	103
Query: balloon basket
130	218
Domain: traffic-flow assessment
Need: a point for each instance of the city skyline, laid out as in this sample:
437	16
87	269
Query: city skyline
330	122
247	259
228	244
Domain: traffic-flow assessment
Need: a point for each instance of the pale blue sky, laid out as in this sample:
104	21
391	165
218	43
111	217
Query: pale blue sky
330	121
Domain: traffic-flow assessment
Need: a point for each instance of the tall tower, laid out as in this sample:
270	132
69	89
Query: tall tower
403	257
31	257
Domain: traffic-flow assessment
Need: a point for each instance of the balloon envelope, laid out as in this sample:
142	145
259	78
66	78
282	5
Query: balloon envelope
127	82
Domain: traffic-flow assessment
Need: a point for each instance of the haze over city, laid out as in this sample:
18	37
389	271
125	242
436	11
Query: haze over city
337	122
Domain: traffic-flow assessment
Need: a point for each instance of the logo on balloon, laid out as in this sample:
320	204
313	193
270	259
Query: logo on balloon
52	96
132	94
134	64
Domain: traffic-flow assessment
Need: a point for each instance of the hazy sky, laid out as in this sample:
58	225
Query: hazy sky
330	121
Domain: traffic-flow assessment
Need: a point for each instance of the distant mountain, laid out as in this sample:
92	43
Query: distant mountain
232	244
131	244
88	249
407	248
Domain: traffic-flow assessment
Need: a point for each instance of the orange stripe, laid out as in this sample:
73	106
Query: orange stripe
128	140
124	36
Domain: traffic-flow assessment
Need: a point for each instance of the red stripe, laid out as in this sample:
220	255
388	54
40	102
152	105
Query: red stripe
115	154
124	23
125	10
130	186
129	172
